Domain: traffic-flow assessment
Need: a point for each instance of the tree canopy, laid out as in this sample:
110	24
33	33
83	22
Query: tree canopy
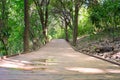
27	25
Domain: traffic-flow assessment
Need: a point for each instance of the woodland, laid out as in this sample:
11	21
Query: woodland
27	25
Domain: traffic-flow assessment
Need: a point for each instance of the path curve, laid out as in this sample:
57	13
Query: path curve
57	61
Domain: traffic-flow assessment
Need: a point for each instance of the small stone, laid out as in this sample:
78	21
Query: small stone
104	49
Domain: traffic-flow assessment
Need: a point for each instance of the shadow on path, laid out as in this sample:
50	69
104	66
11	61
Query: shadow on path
57	61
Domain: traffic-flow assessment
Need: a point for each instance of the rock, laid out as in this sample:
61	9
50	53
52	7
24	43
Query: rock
108	55
117	39
116	56
104	49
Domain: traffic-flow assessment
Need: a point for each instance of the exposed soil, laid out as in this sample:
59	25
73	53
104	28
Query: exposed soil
105	48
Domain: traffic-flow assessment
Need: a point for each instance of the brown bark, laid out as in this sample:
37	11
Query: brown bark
43	13
66	31
27	26
75	23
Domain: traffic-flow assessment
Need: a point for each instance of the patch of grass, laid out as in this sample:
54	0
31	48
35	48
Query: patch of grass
105	35
109	33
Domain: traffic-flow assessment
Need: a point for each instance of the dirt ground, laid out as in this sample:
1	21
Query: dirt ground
57	61
106	48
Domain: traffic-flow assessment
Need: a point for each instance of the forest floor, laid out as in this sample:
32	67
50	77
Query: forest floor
100	45
57	60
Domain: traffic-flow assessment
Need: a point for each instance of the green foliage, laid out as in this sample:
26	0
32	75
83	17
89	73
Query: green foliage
12	29
85	26
15	40
4	28
56	32
105	17
106	14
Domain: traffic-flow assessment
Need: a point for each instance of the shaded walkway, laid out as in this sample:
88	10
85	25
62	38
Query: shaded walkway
57	61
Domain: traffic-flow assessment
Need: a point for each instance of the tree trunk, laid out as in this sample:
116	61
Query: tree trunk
27	26
66	32
45	34
43	13
75	24
46	22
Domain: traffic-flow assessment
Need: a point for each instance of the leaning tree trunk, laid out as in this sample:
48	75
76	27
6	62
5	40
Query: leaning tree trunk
75	24
27	26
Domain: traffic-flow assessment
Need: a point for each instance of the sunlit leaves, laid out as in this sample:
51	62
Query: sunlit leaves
105	14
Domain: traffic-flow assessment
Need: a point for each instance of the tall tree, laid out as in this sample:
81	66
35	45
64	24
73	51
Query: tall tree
63	9
42	7
27	25
77	5
68	11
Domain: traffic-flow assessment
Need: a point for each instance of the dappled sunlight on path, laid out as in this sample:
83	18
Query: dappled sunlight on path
93	70
11	63
57	61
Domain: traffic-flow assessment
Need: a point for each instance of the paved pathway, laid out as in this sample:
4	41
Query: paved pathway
57	61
